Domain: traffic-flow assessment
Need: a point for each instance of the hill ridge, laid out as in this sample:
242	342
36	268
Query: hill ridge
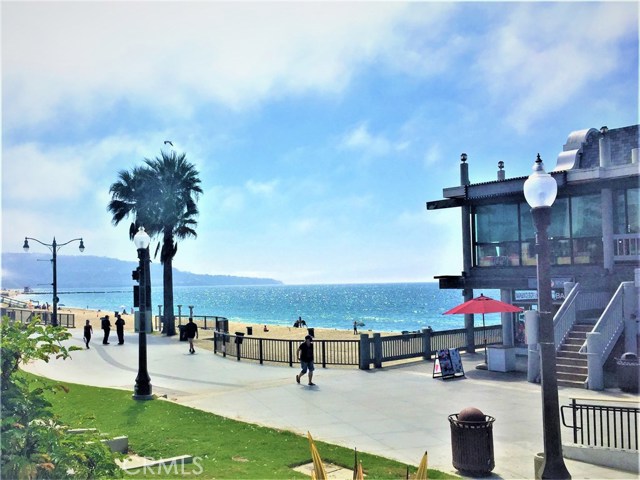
20	270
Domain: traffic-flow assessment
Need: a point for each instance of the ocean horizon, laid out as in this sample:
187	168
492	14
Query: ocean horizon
385	307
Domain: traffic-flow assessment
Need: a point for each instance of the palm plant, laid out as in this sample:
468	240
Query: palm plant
161	196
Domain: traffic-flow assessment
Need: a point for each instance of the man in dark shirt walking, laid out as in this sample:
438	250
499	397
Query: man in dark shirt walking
305	356
191	329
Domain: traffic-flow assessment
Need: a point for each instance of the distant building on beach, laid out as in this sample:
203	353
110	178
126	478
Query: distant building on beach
594	234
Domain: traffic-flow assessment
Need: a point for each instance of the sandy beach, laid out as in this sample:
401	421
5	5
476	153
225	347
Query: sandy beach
274	331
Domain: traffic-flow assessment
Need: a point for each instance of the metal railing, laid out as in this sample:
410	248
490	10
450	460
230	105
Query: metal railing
12	302
400	347
326	352
602	425
610	325
23	315
626	247
363	352
566	316
458	338
205	322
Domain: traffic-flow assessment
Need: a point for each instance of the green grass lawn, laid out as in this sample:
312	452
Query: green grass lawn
228	449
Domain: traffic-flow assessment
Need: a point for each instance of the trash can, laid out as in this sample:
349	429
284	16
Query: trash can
183	332
628	372
249	330
239	337
472	441
311	332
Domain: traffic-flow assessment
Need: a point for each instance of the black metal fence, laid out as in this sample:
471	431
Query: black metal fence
326	352
205	322
24	315
602	425
364	352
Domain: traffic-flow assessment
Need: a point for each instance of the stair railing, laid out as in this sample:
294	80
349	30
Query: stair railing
566	316
603	337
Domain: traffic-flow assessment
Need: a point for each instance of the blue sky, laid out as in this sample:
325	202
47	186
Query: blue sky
319	129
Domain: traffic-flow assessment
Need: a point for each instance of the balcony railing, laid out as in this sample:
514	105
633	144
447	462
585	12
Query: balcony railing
625	247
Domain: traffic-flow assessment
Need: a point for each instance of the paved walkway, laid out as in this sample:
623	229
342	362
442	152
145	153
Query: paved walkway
397	412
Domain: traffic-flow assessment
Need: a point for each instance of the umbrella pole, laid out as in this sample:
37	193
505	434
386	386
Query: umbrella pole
484	335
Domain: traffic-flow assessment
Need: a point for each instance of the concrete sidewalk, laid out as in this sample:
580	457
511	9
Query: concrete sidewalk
397	412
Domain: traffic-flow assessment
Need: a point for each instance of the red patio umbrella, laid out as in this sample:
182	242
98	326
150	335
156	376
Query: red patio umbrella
483	305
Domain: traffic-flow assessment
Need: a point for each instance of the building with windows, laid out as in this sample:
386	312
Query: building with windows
594	232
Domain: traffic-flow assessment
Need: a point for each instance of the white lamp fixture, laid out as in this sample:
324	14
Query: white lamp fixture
141	239
540	189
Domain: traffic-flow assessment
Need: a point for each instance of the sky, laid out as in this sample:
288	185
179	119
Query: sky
319	130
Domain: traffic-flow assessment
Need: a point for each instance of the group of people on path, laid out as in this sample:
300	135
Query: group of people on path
305	350
105	324
191	330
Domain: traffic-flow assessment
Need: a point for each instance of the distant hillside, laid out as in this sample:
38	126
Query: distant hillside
34	270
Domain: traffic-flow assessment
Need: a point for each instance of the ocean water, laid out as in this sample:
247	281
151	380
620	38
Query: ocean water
381	307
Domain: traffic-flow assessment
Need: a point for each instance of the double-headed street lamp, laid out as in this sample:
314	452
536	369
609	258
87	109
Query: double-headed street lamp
540	191
142	390
54	247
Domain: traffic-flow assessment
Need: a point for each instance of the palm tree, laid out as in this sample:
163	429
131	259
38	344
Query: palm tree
162	196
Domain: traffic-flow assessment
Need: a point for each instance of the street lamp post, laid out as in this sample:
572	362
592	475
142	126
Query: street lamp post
540	191
142	390
54	247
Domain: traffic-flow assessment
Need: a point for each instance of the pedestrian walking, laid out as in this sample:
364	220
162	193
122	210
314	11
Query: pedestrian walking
191	330
120	328
355	327
305	356
88	331
106	326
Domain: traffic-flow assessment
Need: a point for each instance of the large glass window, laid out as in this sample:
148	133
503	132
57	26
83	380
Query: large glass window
505	235
560	225
586	216
586	229
527	235
497	223
627	214
497	235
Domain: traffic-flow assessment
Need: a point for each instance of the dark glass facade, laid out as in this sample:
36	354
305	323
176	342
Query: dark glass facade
504	235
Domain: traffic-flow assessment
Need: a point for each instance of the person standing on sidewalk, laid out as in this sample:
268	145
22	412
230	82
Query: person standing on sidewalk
305	356
191	330
120	328
106	326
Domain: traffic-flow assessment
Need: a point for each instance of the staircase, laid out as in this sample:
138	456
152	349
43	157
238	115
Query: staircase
571	366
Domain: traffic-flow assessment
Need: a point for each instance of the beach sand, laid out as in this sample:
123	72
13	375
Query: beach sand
274	331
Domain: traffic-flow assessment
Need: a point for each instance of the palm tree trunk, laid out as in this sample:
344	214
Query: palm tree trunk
169	327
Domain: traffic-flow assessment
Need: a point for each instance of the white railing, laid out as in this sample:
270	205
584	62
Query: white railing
626	247
565	317
603	337
610	325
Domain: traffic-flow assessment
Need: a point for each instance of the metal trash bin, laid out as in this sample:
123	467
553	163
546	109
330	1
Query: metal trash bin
472	442
249	330
183	332
628	372
239	338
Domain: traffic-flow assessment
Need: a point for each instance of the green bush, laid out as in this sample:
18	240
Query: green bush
33	444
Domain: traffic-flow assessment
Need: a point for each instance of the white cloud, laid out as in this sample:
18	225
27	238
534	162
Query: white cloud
432	156
361	139
83	57
265	189
223	200
542	56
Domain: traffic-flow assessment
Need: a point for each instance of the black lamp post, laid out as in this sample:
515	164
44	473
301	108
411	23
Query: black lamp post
540	191
142	390
54	247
